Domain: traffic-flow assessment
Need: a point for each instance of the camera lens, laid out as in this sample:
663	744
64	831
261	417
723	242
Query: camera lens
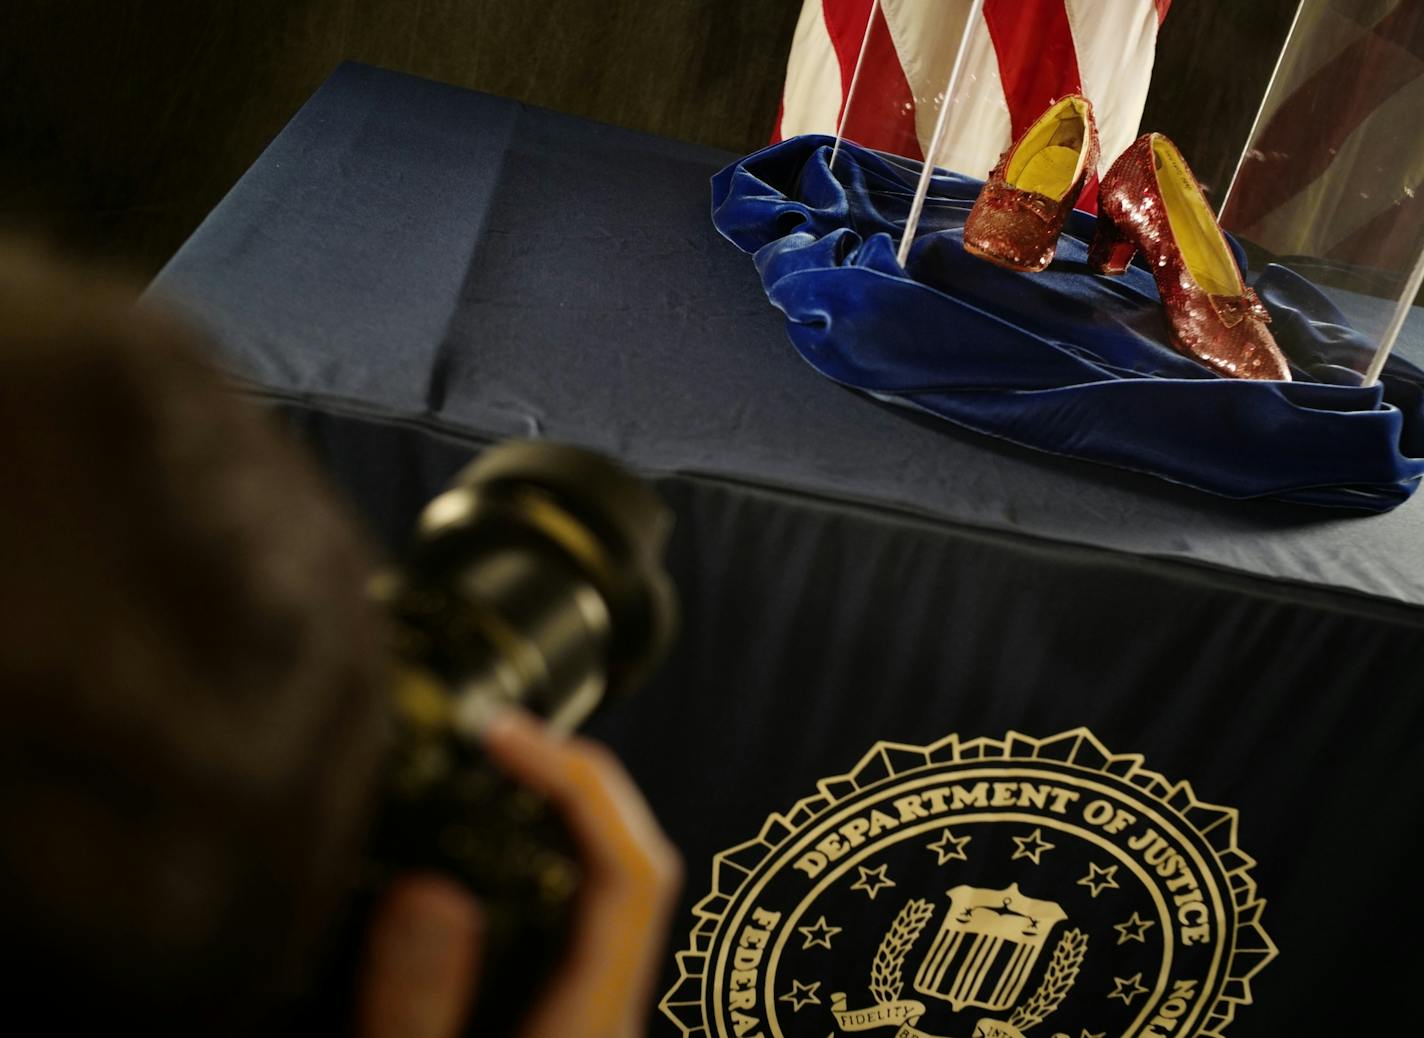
536	579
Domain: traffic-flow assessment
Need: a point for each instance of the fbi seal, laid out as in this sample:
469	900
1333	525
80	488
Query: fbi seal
987	888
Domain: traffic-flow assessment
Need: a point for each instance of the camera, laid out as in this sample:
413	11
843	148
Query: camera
537	579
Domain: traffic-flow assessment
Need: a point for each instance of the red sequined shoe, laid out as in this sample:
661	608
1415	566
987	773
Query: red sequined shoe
1150	200
1019	214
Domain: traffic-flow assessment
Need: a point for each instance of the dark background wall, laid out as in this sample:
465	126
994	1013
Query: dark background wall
124	121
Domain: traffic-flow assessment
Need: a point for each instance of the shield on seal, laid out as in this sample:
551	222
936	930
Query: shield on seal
986	947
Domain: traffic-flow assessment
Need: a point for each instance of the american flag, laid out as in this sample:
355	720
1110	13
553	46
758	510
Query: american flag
1022	56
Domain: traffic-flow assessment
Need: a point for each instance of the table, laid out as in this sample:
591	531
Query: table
413	271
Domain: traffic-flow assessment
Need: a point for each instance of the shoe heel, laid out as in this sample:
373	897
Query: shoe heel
1111	251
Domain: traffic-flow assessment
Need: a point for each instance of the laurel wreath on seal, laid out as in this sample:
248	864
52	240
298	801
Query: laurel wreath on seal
1062	973
887	972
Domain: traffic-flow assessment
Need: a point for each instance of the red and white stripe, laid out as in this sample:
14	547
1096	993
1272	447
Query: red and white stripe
1022	56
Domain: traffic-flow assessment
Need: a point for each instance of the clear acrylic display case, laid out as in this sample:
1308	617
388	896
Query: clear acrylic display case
1298	116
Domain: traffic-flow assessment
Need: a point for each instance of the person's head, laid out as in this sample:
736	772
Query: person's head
190	676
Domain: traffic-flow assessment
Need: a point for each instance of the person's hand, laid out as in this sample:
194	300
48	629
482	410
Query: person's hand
422	958
421	973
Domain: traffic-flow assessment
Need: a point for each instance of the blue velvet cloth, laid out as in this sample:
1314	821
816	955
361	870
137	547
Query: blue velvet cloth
1064	361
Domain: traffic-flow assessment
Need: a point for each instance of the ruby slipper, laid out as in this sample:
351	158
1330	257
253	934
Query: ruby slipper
1150	201
1019	214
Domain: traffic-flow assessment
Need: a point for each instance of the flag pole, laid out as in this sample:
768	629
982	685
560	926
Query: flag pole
917	208
854	82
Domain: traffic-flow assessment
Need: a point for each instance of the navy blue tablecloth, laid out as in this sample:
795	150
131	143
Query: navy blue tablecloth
413	271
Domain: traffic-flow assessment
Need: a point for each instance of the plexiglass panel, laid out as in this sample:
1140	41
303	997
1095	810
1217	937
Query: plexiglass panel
1329	183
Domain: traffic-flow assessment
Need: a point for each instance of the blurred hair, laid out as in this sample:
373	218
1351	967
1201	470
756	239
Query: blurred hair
190	676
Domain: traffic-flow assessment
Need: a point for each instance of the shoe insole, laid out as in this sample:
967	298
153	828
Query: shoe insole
1051	172
1046	159
1204	250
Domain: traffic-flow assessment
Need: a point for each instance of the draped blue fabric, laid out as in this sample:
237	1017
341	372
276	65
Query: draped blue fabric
1063	361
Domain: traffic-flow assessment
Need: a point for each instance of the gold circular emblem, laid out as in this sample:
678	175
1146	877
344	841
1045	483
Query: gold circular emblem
987	888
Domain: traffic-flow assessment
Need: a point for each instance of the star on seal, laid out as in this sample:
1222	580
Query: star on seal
872	881
818	934
1133	929
1099	879
950	847
802	995
1031	847
1128	989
